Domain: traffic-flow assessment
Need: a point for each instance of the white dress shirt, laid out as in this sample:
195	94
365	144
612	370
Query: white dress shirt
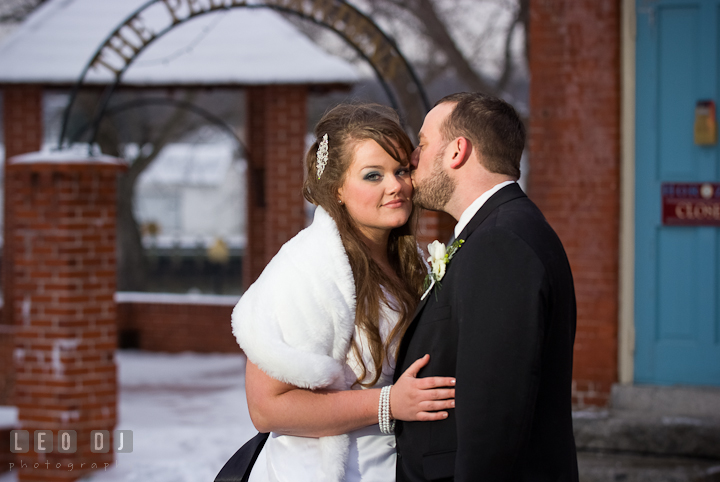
472	209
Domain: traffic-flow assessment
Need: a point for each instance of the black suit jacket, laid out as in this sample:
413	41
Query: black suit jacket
503	324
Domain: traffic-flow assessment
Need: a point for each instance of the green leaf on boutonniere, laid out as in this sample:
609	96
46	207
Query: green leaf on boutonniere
439	259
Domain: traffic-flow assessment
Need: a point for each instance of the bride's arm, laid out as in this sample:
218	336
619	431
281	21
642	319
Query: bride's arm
286	409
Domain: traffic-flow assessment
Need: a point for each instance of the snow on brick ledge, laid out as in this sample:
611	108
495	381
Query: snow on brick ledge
73	155
176	299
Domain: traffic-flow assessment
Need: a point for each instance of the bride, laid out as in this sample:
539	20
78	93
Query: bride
322	324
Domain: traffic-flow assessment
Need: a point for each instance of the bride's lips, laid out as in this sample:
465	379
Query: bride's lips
395	203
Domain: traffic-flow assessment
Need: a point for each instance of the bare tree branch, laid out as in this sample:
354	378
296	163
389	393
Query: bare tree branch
132	264
444	52
507	58
524	15
435	29
175	128
18	10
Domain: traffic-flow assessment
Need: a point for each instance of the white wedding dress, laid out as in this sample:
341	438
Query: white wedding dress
372	454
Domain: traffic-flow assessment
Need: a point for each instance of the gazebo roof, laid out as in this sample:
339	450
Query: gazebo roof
241	46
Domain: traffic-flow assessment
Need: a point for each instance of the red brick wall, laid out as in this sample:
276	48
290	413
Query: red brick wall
23	132
277	123
575	159
63	300
174	328
7	372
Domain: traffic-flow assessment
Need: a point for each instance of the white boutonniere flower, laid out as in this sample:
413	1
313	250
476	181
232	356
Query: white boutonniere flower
439	259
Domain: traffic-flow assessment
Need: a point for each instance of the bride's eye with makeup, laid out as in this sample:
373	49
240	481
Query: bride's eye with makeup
372	176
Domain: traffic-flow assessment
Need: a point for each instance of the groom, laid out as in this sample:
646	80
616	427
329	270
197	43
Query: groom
502	318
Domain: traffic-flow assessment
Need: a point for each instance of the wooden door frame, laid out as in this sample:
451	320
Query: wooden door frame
626	316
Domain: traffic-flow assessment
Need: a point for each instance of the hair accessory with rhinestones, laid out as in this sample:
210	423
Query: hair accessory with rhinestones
322	156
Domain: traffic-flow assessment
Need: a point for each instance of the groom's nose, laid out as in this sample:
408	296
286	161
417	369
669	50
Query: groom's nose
414	158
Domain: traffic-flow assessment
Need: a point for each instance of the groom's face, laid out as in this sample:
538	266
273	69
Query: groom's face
433	185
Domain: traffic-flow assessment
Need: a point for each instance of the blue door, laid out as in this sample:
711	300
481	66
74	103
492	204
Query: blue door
677	268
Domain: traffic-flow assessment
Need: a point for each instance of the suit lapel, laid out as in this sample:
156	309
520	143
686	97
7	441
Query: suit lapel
508	193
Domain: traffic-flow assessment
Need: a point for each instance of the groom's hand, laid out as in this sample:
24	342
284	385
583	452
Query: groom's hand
421	399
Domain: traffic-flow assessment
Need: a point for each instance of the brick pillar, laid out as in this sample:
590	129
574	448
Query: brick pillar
22	119
575	158
23	132
277	125
64	309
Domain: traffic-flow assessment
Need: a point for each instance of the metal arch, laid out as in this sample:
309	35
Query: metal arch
138	49
79	83
133	104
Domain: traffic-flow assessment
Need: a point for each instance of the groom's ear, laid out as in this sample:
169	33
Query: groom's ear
461	150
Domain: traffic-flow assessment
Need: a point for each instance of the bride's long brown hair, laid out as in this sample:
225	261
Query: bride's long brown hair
347	125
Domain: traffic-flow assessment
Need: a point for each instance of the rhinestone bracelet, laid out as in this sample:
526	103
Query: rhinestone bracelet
387	425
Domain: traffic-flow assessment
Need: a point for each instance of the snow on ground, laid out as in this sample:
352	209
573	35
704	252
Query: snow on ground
187	412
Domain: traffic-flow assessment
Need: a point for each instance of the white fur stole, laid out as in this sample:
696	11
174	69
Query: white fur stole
297	320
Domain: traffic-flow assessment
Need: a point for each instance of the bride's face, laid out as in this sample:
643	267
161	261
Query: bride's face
377	190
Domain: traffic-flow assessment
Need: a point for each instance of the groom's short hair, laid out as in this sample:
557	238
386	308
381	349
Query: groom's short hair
491	125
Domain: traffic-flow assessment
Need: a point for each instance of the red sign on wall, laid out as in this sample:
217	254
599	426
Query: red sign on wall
691	204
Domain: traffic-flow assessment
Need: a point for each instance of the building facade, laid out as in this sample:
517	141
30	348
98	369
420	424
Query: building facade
625	166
